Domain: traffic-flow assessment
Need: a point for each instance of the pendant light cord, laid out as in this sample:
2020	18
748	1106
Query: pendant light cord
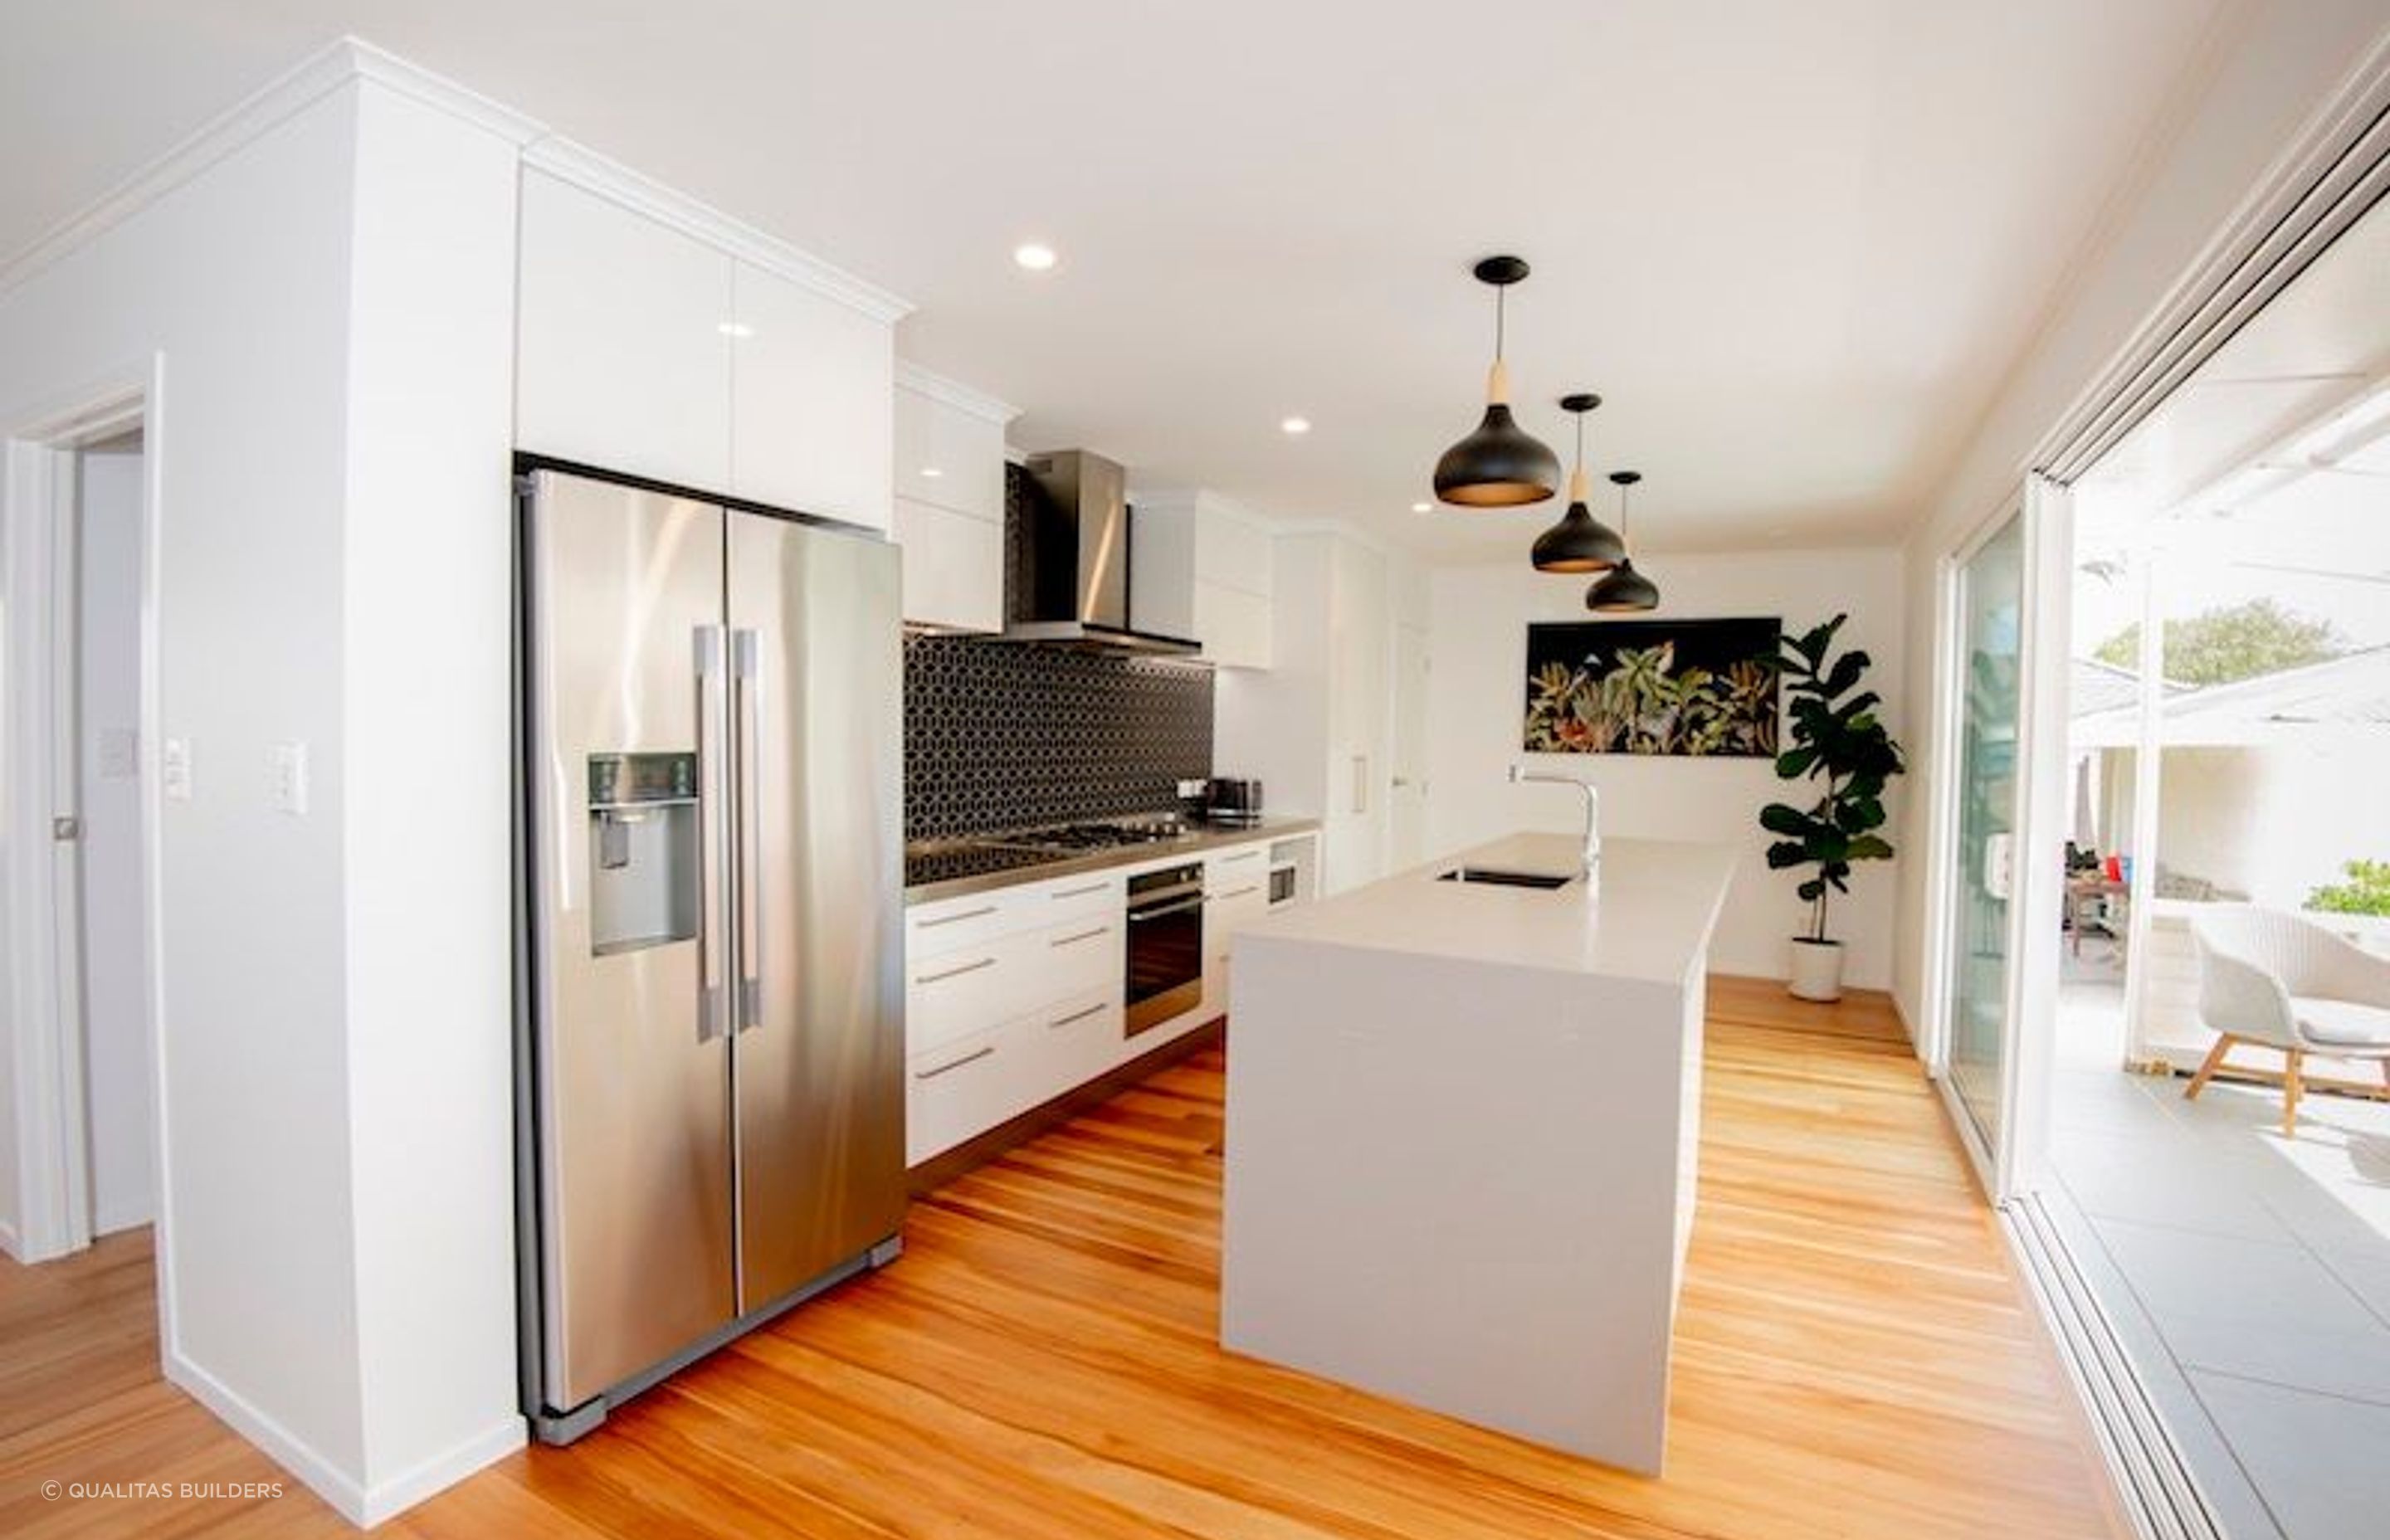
1501	298
1580	442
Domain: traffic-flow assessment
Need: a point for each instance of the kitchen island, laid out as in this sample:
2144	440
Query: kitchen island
1462	1122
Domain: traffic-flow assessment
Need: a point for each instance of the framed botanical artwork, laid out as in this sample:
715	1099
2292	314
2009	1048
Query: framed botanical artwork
1705	689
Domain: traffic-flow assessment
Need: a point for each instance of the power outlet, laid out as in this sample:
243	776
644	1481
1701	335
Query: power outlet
290	778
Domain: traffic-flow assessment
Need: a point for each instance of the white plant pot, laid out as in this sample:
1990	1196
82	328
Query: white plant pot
1817	969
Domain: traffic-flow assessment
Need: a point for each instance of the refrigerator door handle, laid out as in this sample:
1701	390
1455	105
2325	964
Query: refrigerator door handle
712	1019
746	674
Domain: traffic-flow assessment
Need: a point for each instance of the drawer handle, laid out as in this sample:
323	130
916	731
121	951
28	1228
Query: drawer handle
1079	1015
971	967
1237	892
1241	855
1083	935
1080	892
957	918
971	1058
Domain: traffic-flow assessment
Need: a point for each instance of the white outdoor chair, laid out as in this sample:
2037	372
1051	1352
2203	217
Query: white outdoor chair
2287	983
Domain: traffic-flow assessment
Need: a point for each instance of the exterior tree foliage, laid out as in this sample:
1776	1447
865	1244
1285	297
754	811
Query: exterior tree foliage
1839	745
2240	641
2367	892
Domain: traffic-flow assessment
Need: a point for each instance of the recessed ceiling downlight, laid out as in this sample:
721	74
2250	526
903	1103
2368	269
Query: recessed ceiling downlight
1294	427
1035	256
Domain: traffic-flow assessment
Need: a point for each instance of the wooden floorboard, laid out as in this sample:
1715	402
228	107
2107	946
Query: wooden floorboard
1854	1358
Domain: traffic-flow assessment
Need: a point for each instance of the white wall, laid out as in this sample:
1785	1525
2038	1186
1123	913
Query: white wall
2268	72
328	309
237	283
1476	698
115	982
2275	821
425	626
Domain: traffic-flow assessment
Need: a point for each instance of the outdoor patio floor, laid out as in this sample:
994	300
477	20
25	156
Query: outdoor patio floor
2248	1274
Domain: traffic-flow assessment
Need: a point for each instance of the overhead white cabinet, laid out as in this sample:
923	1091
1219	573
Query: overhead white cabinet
811	389
622	342
949	455
1202	568
954	568
949	507
698	352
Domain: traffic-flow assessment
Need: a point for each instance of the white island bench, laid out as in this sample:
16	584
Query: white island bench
1463	1123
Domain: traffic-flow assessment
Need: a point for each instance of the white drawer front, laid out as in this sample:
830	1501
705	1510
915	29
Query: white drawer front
968	988
1071	1043
1076	956
964	1088
954	923
1099	894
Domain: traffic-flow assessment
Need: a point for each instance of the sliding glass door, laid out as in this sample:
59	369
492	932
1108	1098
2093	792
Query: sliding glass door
1977	965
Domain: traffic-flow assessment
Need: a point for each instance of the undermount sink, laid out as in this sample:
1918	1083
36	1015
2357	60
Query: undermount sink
1503	878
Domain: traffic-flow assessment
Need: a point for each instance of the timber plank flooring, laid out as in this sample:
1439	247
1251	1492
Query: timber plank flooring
1854	1357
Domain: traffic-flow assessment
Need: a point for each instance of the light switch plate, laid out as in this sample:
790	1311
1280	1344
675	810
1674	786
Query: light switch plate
174	769
290	778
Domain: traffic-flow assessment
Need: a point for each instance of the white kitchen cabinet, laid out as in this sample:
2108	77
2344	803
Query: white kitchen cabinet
811	386
1233	625
1203	568
954	568
949	480
655	337
949	444
963	1088
622	339
1235	894
1012	997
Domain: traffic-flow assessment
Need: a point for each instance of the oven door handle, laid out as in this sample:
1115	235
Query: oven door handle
1137	916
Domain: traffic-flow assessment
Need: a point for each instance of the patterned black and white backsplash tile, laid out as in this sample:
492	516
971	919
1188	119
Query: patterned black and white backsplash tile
1001	736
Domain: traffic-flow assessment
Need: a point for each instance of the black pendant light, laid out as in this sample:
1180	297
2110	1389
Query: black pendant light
1500	464
1579	543
1622	589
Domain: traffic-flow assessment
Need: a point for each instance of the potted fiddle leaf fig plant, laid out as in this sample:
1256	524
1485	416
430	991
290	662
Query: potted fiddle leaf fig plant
1841	748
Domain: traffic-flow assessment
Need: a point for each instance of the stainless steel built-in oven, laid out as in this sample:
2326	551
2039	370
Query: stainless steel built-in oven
1166	946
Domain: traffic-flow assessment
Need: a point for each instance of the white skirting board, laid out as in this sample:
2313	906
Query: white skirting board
363	1507
8	1243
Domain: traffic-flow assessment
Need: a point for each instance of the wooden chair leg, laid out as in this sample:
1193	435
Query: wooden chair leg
2214	1061
2292	1061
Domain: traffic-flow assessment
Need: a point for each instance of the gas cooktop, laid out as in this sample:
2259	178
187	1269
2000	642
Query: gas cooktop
945	860
1106	835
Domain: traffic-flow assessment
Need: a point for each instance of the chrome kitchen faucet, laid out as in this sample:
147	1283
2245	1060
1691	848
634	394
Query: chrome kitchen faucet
1591	859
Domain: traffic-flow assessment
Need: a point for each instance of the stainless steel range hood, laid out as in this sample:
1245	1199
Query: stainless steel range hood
1067	573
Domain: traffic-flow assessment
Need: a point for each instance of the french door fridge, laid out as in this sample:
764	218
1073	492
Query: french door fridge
712	870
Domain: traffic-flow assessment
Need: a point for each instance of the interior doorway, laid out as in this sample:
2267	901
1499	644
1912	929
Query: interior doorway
99	555
81	1046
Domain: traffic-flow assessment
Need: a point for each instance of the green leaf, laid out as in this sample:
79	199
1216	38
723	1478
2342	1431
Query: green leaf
1869	847
1787	852
1780	818
1794	763
1811	891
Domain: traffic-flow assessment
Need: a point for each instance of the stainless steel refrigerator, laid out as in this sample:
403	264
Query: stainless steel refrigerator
712	1007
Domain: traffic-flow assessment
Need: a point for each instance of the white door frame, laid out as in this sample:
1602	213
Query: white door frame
43	932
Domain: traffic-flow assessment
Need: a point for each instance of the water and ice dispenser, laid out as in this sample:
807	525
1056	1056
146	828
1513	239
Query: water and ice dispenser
643	851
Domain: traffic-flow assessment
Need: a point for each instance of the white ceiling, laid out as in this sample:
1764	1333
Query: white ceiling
1797	246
